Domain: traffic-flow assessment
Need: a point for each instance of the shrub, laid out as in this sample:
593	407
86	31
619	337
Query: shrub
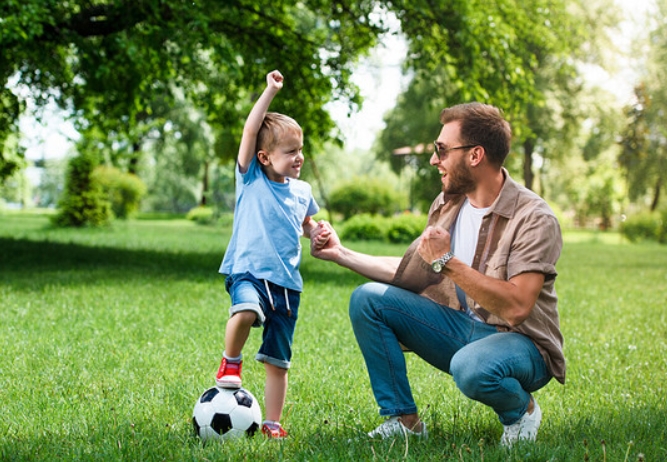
398	229
363	196
364	227
202	215
406	228
662	230
564	219
645	225
84	202
124	190
225	219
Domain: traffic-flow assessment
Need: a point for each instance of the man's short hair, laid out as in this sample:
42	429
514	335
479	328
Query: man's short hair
482	124
274	127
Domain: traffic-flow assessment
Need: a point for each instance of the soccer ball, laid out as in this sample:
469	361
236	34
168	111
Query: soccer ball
225	414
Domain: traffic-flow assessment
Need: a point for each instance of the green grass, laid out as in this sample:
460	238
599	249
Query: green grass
109	336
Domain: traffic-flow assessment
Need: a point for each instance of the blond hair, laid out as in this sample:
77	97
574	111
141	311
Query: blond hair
274	127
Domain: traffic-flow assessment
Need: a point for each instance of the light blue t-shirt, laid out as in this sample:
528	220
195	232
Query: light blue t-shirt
267	228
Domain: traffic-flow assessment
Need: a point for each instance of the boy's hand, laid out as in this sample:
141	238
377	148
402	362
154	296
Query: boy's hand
331	248
274	79
320	235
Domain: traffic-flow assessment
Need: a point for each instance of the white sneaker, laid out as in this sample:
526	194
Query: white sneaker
525	429
393	427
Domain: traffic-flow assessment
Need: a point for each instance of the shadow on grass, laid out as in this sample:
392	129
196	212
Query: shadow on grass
37	261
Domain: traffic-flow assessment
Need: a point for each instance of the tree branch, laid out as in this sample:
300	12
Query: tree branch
101	20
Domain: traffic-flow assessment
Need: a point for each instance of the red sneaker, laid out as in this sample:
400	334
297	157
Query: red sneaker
229	374
274	431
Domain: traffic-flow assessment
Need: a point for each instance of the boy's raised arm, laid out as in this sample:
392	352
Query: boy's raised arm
274	82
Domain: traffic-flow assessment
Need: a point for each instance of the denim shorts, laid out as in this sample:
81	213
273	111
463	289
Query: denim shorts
276	309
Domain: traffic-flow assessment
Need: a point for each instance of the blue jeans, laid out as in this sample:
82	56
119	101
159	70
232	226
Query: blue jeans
499	369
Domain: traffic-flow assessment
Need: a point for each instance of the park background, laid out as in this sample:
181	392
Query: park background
110	242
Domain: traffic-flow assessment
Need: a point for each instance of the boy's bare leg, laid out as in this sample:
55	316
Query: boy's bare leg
237	332
275	391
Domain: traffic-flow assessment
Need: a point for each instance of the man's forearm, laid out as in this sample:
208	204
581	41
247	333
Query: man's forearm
511	300
376	268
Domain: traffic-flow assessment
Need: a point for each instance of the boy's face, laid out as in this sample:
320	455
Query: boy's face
285	159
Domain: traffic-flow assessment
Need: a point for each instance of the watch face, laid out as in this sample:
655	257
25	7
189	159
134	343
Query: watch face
437	266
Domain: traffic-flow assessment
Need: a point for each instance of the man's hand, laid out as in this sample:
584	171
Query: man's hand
434	243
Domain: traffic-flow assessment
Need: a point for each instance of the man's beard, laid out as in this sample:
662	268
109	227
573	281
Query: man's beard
459	179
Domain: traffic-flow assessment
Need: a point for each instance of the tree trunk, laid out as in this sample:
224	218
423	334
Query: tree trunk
133	165
528	176
656	194
204	182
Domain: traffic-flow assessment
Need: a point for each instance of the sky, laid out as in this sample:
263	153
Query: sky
380	80
622	83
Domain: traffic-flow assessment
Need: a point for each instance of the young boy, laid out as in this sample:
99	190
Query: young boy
273	210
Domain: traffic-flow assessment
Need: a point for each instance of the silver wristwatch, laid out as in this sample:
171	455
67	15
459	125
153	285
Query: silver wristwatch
439	264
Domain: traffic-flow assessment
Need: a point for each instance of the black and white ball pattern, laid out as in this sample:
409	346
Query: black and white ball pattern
225	414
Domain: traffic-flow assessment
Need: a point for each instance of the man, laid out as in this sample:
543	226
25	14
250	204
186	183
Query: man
474	295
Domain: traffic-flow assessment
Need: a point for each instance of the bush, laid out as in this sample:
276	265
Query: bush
201	215
645	226
662	231
124	190
364	227
225	219
363	196
565	220
398	229
84	202
406	228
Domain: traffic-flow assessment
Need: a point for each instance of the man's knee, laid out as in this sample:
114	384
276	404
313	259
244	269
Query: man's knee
360	301
469	374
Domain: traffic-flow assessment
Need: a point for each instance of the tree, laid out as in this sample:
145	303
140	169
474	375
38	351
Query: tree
106	60
644	146
11	157
535	80
550	124
84	202
184	144
644	140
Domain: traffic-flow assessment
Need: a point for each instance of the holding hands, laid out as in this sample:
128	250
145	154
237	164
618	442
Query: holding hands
324	242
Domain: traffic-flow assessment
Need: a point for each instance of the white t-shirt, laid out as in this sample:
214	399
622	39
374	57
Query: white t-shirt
465	235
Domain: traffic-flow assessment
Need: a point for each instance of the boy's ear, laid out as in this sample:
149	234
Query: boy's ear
263	157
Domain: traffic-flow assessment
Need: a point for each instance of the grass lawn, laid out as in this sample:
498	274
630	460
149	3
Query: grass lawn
109	336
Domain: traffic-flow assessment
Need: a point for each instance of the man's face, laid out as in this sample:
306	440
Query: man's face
451	158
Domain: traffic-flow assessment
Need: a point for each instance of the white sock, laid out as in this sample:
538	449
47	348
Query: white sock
237	359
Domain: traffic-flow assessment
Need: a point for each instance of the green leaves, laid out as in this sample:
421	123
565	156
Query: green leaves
111	61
